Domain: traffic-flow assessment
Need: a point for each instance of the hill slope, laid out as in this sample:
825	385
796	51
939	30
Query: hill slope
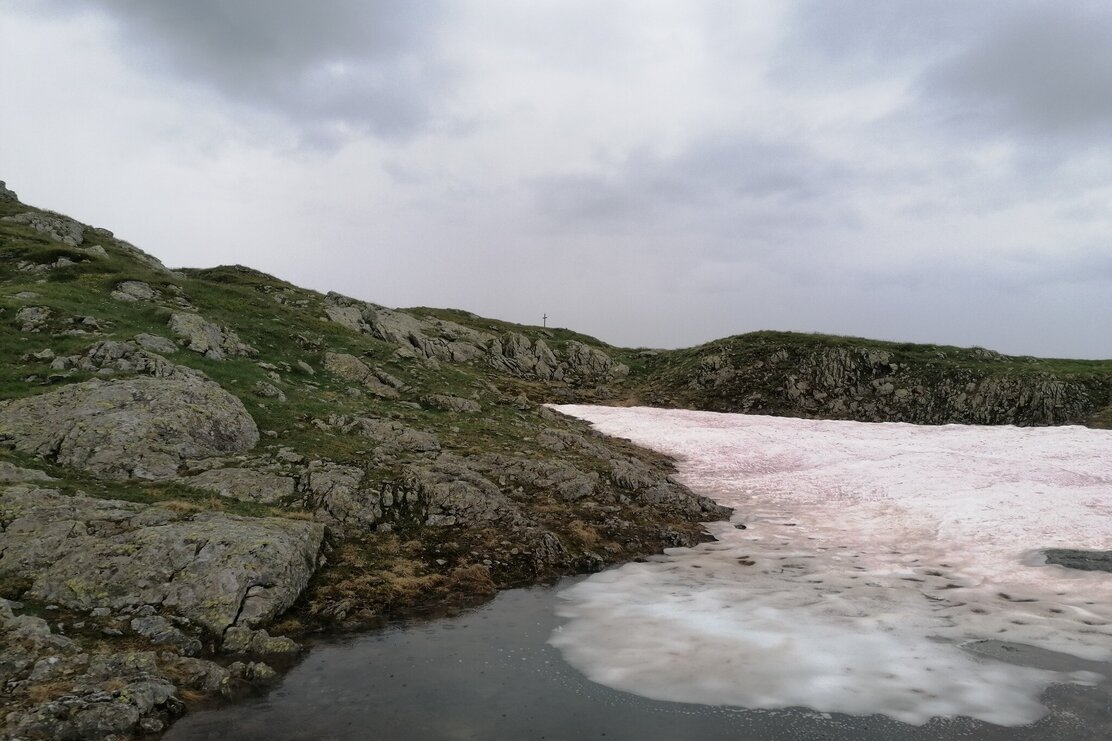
193	462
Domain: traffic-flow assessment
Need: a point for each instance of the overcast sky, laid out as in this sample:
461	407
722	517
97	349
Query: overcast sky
652	173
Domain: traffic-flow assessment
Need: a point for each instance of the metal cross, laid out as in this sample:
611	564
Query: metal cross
545	321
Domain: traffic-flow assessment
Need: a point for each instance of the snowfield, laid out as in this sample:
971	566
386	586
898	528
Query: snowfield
871	554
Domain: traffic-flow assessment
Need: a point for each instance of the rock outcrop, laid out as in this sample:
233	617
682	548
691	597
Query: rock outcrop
215	570
811	378
134	290
140	428
208	339
59	228
114	357
245	484
352	368
439	340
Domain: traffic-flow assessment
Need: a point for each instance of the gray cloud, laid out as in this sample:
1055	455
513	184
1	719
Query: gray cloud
1043	70
714	178
652	173
995	68
331	68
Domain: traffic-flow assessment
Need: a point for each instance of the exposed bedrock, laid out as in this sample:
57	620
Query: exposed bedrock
140	428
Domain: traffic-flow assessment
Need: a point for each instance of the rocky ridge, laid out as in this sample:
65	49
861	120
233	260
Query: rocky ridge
844	378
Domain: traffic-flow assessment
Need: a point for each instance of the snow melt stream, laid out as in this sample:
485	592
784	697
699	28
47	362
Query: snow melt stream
871	554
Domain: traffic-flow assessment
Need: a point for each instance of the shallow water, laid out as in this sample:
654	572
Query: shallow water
491	674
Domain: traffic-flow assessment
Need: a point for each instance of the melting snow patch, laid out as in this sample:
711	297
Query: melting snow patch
871	553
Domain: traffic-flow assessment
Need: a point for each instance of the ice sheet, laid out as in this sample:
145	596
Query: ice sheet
871	553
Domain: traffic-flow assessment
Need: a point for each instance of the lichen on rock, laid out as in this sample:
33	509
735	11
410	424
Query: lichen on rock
139	428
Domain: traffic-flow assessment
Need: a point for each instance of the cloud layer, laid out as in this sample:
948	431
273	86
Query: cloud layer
652	172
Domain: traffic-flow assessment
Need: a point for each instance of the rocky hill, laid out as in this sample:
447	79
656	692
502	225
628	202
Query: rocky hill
198	467
828	377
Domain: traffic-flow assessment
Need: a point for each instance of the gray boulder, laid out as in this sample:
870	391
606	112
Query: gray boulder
452	403
206	338
162	632
124	357
333	491
33	318
134	290
6	194
452	493
12	474
215	569
397	436
59	228
352	368
558	478
244	484
240	640
518	355
269	391
591	363
135	428
156	343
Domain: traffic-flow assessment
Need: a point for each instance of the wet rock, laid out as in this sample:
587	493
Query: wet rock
162	632
239	640
1079	559
198	674
134	428
674	498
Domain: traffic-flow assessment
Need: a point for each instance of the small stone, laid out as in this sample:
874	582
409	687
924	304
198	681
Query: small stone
269	391
257	671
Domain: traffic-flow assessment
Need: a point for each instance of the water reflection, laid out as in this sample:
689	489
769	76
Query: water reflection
490	674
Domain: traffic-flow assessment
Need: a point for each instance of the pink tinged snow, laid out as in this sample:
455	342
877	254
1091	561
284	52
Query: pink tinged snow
871	554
